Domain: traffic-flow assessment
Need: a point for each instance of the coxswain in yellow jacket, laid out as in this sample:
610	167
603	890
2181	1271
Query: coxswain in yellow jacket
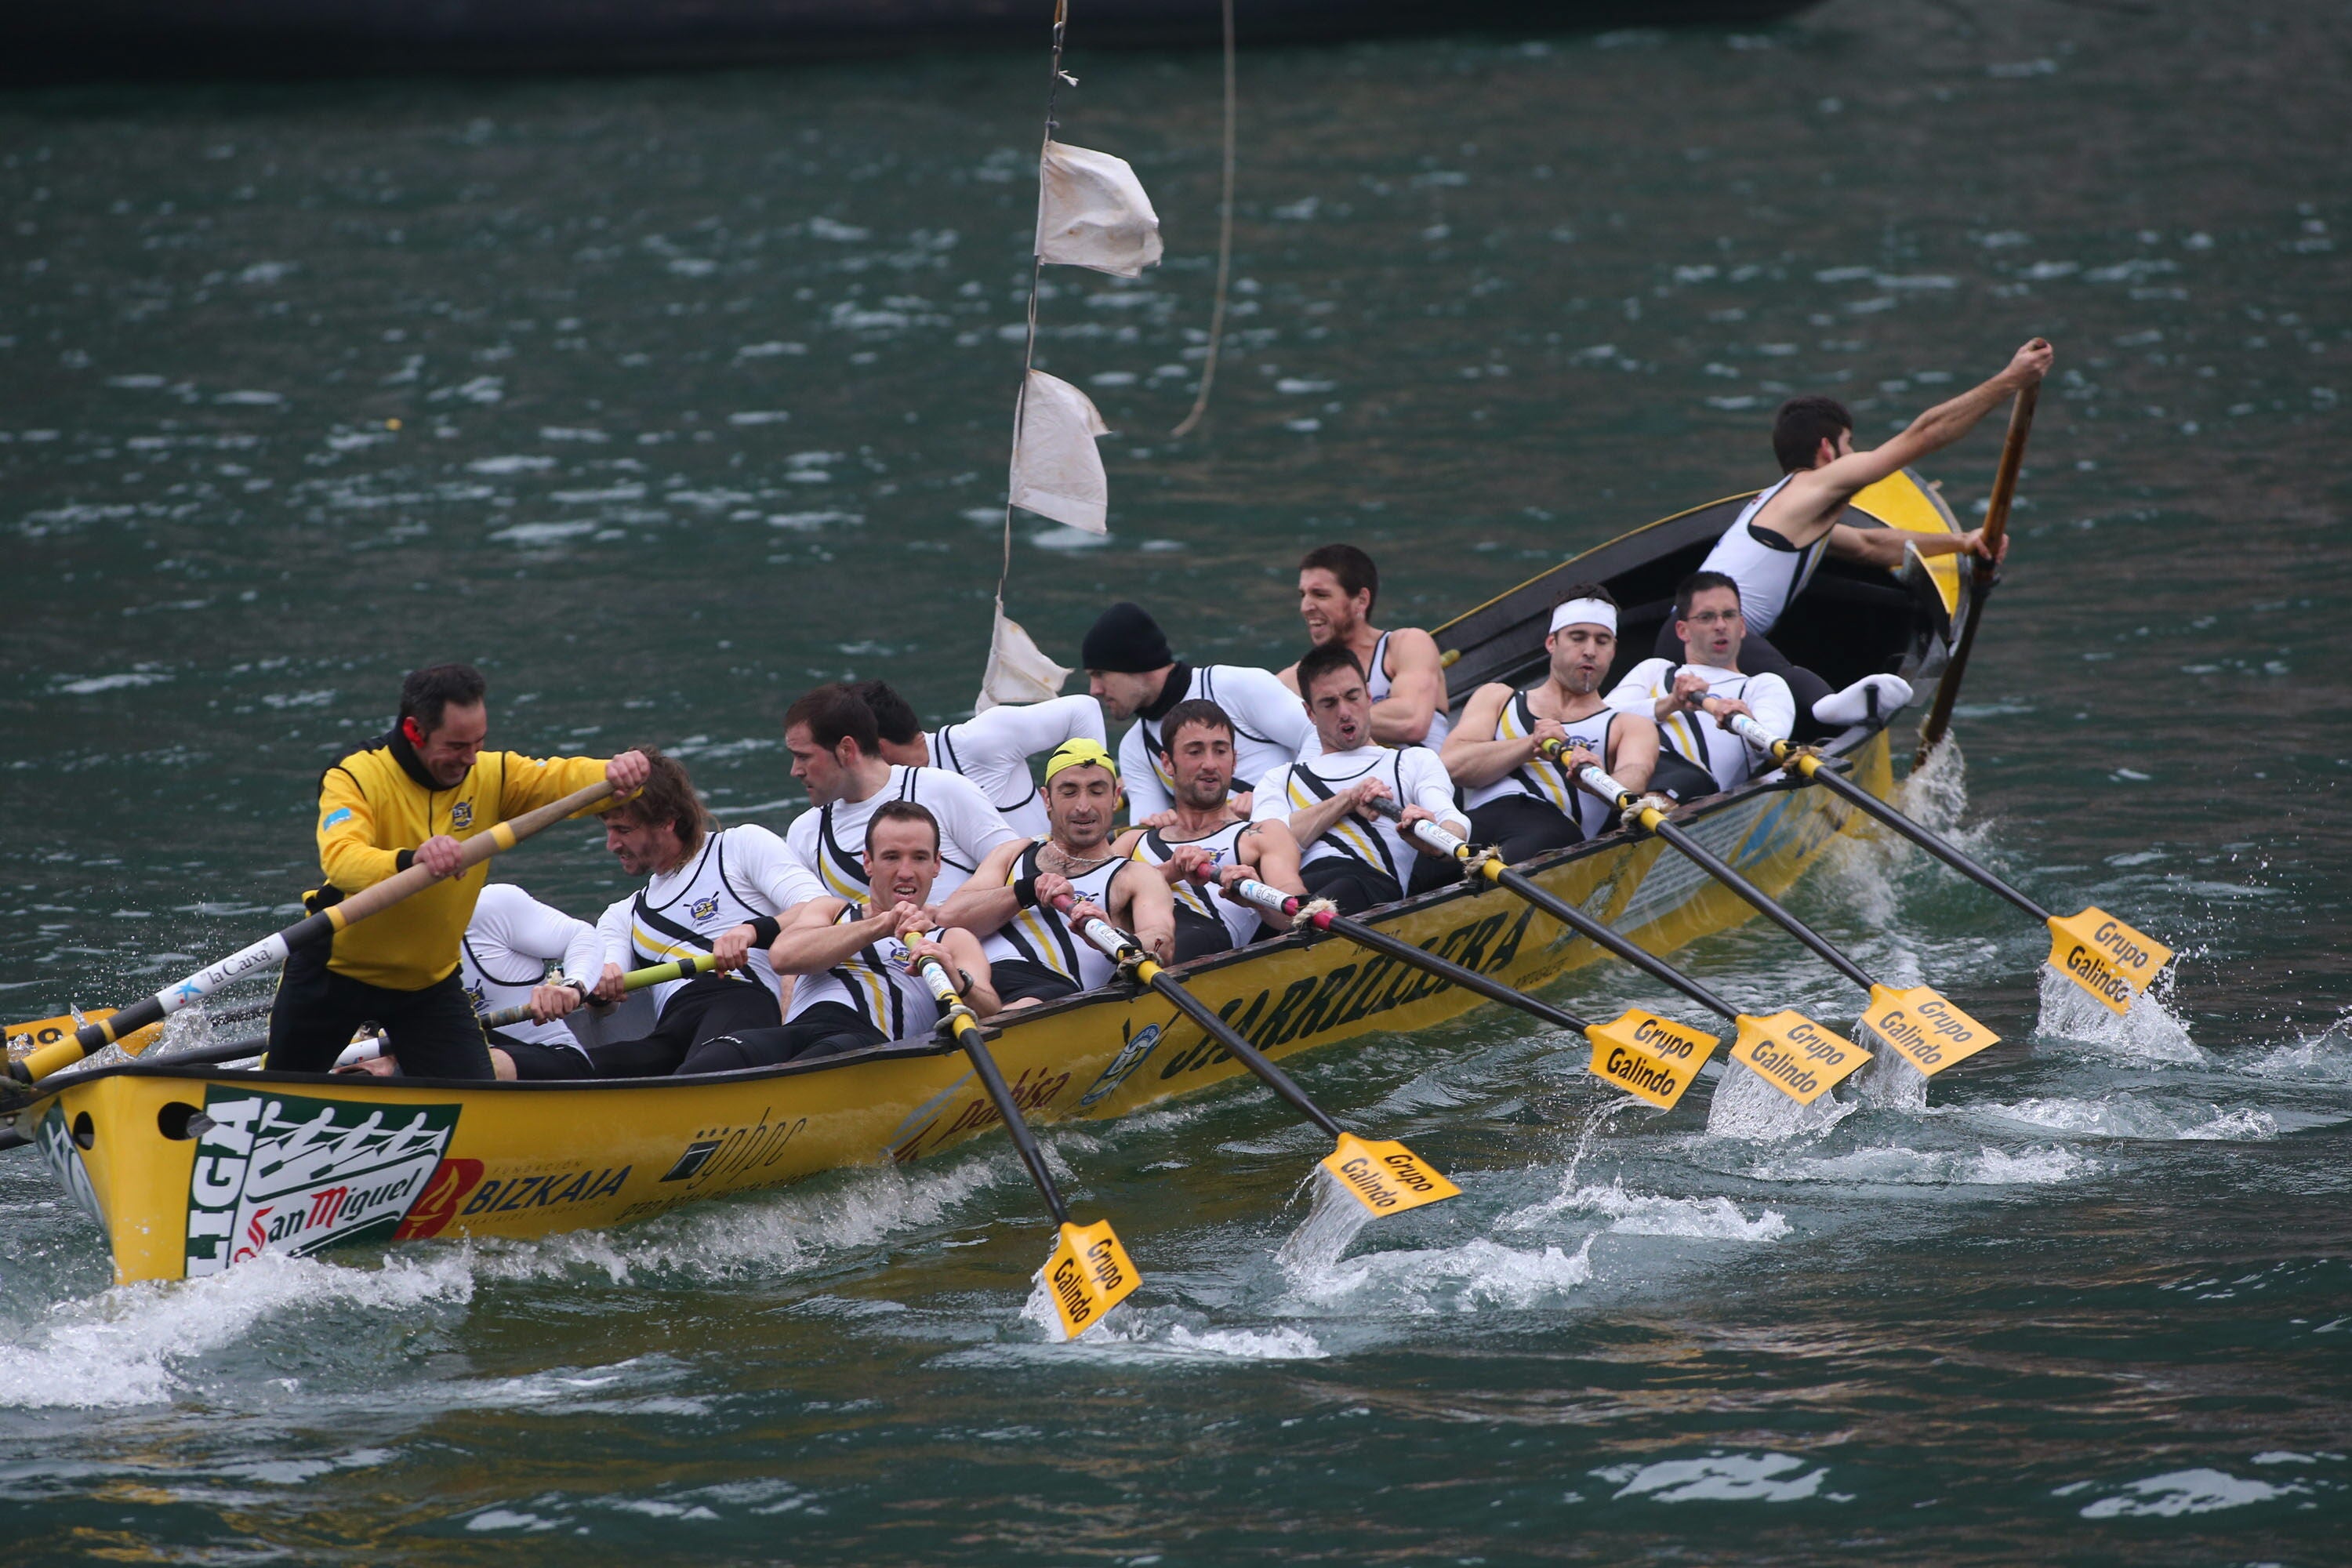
412	796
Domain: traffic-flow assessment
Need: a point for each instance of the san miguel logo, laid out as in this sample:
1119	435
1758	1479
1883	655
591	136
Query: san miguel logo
293	1174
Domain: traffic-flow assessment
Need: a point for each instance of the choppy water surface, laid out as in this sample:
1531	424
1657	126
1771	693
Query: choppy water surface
703	388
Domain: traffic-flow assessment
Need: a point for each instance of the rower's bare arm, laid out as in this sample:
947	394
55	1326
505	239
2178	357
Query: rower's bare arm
810	942
1886	546
1140	897
1472	762
1416	689
985	903
1272	855
980	989
1931	432
1633	752
1310	823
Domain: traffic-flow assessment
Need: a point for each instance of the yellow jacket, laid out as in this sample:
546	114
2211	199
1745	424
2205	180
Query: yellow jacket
376	805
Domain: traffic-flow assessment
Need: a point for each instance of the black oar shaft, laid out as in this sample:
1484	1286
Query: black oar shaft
1225	1035
1569	915
1404	953
973	1039
1764	902
1935	844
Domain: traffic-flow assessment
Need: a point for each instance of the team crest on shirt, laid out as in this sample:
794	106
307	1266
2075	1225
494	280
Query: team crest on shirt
474	995
703	909
462	815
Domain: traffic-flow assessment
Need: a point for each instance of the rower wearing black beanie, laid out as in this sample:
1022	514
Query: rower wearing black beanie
1131	671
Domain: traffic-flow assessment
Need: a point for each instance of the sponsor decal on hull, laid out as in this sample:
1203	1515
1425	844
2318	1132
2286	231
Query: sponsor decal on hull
63	1156
1130	1057
297	1173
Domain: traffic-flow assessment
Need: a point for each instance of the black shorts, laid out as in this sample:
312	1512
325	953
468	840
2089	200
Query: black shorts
434	1032
537	1063
707	1007
1521	827
1348	883
1199	935
1018	980
820	1029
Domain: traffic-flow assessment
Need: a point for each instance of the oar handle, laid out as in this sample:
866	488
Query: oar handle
305	932
2004	480
1761	740
1428	834
635	980
1272	901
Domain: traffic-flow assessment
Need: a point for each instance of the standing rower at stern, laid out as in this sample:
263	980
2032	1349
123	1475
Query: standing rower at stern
411	797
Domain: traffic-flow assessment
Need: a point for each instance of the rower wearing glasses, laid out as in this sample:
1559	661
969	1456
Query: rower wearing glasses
1693	700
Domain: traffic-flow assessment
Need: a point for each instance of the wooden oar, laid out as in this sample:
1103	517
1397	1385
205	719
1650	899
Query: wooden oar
1487	864
2111	961
1385	1178
1986	573
1089	1272
1654	1057
314	929
1922	1027
635	980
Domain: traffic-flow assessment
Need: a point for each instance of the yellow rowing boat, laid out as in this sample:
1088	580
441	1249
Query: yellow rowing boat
190	1169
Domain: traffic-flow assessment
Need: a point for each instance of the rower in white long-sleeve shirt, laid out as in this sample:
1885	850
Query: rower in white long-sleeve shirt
1131	672
502	961
992	749
1351	854
1691	700
837	755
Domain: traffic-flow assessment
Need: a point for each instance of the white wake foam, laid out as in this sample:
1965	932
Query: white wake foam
2323	1058
2125	1116
1478	1275
1894	1164
127	1346
2178	1492
1721	1478
1649	1214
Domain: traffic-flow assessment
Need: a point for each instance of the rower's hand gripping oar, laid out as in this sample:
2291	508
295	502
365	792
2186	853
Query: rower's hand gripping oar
308	932
1089	1272
1790	1050
2111	961
1385	1178
1653	1057
635	980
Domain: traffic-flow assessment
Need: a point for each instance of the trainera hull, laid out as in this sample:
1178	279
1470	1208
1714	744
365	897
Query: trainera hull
190	1170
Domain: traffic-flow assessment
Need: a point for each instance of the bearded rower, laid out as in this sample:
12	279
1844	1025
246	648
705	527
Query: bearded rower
1034	952
1131	672
857	986
1204	847
708	889
1520	802
412	796
992	748
1338	586
836	751
1354	856
1774	545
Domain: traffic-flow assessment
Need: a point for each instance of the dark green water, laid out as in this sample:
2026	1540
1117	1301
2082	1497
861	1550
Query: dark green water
705	386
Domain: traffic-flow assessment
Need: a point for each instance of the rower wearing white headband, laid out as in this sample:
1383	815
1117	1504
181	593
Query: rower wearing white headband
1520	802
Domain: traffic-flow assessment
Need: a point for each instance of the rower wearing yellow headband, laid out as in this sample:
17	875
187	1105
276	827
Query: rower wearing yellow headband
1011	902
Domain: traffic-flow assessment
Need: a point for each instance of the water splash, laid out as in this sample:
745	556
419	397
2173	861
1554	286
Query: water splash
1331	1224
1746	1105
2136	1116
2151	1032
1890	1083
1654	1213
1479	1274
1936	796
2323	1058
1896	1166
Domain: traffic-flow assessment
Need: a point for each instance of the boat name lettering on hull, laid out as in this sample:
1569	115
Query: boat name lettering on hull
553	1190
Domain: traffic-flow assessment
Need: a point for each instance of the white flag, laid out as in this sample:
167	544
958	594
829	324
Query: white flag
1092	212
1017	673
1056	472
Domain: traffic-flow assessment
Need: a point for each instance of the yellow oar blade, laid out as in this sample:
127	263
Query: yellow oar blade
1648	1056
1385	1178
24	1038
1089	1274
1924	1028
1795	1055
2106	957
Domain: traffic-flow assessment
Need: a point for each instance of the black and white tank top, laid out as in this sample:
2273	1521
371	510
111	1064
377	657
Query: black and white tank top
1155	848
1546	780
1770	571
1040	936
874	983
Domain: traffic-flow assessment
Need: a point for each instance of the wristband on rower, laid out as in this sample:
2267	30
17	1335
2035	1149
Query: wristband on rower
1024	892
764	930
